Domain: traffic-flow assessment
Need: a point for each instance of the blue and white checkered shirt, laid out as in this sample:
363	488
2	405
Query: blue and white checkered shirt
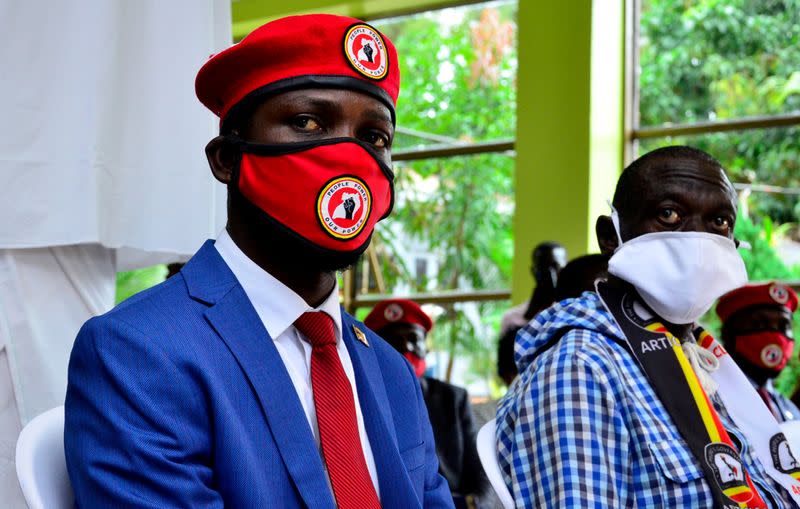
582	427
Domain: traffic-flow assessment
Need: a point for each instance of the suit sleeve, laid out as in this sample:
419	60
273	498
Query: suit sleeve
473	480
136	426
437	492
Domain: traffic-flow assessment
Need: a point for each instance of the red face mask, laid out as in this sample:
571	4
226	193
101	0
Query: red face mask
770	349
330	193
418	363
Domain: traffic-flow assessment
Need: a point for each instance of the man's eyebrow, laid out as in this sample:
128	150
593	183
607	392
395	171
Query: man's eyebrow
305	101
378	116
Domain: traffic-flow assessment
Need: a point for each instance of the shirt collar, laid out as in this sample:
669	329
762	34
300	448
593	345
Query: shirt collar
277	305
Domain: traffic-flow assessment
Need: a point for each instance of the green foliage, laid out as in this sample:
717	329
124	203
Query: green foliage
133	282
703	60
459	82
761	260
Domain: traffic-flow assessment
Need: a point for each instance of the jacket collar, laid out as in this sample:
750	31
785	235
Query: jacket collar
230	313
209	280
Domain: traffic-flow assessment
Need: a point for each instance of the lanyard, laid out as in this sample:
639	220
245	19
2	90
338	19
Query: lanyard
661	357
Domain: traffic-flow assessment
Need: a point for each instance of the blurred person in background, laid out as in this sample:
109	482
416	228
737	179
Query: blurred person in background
579	275
574	278
547	260
757	332
405	326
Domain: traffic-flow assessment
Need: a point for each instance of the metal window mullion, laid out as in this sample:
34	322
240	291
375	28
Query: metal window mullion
447	150
631	115
736	124
445	297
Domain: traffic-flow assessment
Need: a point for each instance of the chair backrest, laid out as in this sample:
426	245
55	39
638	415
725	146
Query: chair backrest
487	452
41	466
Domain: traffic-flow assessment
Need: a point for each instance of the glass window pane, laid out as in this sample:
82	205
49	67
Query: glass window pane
456	213
703	60
762	156
458	73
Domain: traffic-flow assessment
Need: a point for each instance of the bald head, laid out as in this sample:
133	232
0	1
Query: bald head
671	189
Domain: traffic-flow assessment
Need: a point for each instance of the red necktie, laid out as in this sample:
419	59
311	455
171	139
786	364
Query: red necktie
336	416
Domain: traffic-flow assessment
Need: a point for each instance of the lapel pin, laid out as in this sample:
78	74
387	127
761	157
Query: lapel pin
360	335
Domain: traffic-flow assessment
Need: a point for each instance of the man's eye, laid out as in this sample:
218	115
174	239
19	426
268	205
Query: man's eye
306	123
668	216
376	139
723	223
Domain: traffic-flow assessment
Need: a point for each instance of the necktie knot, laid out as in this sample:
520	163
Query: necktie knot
317	328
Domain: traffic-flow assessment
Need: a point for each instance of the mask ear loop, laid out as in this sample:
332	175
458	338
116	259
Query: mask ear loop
615	220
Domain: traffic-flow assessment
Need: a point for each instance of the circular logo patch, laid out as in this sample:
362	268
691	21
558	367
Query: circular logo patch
366	52
637	311
343	207
393	312
771	355
782	456
779	294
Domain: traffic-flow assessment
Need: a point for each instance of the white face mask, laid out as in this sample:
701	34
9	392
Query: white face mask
678	274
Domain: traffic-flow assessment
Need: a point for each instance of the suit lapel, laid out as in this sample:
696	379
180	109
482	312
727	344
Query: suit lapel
236	321
395	484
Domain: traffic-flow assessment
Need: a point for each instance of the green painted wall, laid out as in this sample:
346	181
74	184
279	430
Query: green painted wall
569	125
250	14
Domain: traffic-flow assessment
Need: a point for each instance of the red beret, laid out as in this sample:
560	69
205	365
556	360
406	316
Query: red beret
397	311
310	51
756	295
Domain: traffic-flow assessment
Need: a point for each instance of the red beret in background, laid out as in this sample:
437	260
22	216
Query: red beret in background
775	294
314	50
397	311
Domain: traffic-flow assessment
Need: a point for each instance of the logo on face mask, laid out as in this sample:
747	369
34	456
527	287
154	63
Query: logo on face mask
771	355
366	51
343	207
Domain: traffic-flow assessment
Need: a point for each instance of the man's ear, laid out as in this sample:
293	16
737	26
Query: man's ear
606	235
222	159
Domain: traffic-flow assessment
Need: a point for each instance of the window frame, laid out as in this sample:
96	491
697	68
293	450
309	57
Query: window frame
353	295
634	131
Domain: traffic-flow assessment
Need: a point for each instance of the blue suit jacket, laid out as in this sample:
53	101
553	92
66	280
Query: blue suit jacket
178	398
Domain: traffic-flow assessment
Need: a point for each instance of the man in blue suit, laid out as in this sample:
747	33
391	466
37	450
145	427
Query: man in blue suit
240	382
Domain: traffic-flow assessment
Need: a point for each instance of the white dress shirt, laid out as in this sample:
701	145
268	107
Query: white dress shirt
278	307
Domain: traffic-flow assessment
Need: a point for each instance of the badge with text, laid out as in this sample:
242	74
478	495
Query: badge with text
782	456
343	207
728	471
366	51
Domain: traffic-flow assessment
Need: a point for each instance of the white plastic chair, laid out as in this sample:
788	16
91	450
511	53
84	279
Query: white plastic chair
487	452
41	466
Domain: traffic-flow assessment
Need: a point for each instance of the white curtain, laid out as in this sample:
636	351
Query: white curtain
102	137
102	169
